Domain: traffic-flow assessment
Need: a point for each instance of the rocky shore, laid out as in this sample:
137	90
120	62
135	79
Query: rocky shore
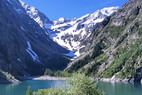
113	80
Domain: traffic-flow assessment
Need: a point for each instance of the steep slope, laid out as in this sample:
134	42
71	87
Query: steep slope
38	16
69	33
24	47
114	50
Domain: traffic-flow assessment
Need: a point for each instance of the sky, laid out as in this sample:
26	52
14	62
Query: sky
54	9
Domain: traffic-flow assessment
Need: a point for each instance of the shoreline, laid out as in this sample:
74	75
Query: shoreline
44	78
50	78
114	80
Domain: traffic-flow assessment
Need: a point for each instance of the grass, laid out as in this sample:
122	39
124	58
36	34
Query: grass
115	31
121	61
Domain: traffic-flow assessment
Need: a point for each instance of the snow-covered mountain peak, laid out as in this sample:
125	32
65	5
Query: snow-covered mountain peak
69	33
60	21
35	14
30	9
108	11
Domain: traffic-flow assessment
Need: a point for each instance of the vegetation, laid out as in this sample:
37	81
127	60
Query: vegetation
78	84
115	31
126	55
97	51
29	91
57	73
93	68
123	59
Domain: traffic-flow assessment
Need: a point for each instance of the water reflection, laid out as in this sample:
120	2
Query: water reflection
121	88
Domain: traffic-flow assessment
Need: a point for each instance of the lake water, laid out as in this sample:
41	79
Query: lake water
121	88
108	88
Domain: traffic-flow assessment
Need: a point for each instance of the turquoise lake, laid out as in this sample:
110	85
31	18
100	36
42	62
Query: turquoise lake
108	88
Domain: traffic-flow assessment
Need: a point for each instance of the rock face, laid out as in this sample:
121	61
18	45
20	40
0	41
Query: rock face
114	49
25	48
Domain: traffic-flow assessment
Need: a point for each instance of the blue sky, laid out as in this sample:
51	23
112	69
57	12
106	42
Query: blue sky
70	9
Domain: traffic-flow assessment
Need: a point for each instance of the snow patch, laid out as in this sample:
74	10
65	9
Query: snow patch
23	28
19	59
31	52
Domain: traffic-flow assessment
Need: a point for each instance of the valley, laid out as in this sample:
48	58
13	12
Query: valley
103	46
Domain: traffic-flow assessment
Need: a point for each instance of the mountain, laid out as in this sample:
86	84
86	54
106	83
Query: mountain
25	48
69	33
114	49
43	21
